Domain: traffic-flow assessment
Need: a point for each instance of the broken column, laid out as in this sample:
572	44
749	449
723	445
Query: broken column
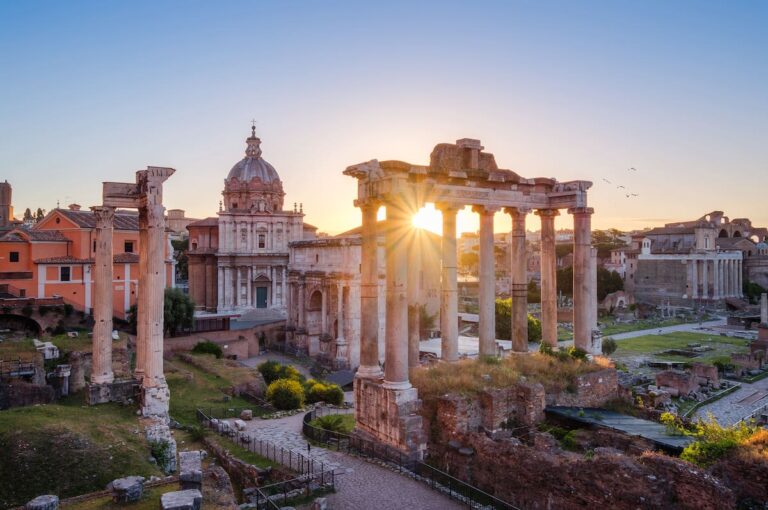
102	302
127	490
190	470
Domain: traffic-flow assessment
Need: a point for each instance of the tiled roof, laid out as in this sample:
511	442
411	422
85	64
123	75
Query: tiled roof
124	220
63	260
207	222
670	230
126	258
34	235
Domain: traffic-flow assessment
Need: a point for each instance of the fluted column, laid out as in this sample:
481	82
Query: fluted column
548	277
414	302
487	305
302	304
705	278
102	304
449	305
694	278
154	281
341	342
283	289
519	286
323	311
273	291
584	287
369	294
142	297
740	274
220	283
397	228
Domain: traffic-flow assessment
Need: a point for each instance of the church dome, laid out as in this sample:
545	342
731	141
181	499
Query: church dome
253	166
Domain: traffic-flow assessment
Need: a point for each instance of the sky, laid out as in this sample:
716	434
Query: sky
93	91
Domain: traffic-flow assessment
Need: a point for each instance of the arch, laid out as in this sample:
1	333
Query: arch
20	323
723	233
737	234
316	300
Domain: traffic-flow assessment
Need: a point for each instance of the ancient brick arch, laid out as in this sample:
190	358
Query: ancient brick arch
20	322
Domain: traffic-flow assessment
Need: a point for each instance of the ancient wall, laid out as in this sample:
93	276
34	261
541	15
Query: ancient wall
244	343
589	390
659	281
19	393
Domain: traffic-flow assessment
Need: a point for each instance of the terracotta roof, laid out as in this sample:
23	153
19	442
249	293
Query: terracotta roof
34	235
207	222
124	220
669	230
307	226
126	258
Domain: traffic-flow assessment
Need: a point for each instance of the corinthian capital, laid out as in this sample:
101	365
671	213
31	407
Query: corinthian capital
104	216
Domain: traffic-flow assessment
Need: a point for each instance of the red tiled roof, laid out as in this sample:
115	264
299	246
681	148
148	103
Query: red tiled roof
34	235
124	220
126	258
63	260
207	222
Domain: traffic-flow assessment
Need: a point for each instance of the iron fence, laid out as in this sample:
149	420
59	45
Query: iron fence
436	479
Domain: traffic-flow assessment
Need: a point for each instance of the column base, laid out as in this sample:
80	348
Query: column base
103	379
369	372
124	391
390	416
155	399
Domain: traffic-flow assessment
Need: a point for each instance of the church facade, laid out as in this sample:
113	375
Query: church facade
239	261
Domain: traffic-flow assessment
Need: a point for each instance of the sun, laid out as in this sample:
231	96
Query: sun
429	218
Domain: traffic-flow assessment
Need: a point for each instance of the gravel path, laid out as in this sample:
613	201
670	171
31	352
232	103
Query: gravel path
739	404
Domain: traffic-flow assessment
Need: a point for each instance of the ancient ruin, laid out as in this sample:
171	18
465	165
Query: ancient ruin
457	176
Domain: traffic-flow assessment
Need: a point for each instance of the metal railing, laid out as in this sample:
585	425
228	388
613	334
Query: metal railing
436	479
268	496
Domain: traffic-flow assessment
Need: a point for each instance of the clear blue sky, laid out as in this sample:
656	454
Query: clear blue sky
92	91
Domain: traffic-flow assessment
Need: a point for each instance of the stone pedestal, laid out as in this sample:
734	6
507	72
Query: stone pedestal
117	391
155	399
190	470
47	502
390	416
182	500
159	436
128	489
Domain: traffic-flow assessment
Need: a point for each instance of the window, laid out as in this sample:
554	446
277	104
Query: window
14	256
128	247
65	273
262	241
94	246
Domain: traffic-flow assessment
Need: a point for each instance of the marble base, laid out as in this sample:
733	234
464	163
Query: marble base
155	400
117	391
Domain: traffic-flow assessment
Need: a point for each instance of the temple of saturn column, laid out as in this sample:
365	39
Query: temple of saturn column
457	176
146	195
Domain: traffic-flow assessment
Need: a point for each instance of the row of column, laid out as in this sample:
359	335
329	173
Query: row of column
715	278
398	262
232	238
230	288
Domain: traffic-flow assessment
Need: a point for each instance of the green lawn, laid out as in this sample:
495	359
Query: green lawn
616	328
150	501
243	453
344	423
68	449
651	345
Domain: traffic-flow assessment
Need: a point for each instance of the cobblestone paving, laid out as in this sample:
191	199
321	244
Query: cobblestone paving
729	409
359	484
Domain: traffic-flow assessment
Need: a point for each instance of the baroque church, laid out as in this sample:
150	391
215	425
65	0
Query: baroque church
238	261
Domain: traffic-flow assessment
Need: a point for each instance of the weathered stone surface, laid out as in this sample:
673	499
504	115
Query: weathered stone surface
117	391
190	470
158	433
684	383
217	489
591	390
246	414
47	502
182	500
239	424
128	489
320	504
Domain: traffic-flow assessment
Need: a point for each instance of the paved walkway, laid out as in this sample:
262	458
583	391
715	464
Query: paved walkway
359	484
739	404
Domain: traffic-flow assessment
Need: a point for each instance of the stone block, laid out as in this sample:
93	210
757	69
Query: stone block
246	415
190	470
47	502
128	489
182	500
320	504
239	424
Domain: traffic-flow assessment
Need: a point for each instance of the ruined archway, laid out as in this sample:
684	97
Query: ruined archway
20	324
723	233
737	234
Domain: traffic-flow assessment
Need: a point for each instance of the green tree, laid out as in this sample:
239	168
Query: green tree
40	214
608	282
534	292
504	322
27	214
180	248
178	311
469	260
752	291
565	280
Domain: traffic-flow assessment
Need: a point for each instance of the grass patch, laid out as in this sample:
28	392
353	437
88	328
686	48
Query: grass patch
13	349
150	500
242	453
344	423
613	328
469	377
193	388
653	344
68	449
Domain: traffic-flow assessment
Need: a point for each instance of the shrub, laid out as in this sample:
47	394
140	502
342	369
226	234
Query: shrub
334	423
208	347
576	353
325	392
714	440
273	370
285	394
609	346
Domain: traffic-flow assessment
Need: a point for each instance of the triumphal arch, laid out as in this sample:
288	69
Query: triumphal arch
458	175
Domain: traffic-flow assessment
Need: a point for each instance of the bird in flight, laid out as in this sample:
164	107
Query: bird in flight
635	195
627	195
606	180
619	186
633	169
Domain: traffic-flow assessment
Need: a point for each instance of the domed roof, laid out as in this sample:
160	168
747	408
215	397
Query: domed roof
253	166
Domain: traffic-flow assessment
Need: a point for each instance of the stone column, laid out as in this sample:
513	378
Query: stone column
249	287
369	294
740	274
519	285
694	278
323	311
584	287
396	347
414	301
705	278
548	277
273	291
341	342
220	297
239	291
487	308
763	308
449	305
302	301
102	303
283	289
142	296
154	283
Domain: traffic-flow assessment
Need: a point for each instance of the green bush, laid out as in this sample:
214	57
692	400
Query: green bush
325	392
335	423
273	370
285	394
713	440
609	346
208	347
576	353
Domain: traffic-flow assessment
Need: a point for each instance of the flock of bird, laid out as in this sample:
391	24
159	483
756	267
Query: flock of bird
622	187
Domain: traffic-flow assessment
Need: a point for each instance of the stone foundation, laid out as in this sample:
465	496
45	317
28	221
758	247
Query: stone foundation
390	416
590	390
159	437
118	391
154	401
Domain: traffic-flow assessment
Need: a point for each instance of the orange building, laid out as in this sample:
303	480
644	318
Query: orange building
56	256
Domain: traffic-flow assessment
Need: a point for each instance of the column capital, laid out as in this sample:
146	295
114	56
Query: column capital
368	203
547	213
104	216
581	211
485	209
448	207
517	211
